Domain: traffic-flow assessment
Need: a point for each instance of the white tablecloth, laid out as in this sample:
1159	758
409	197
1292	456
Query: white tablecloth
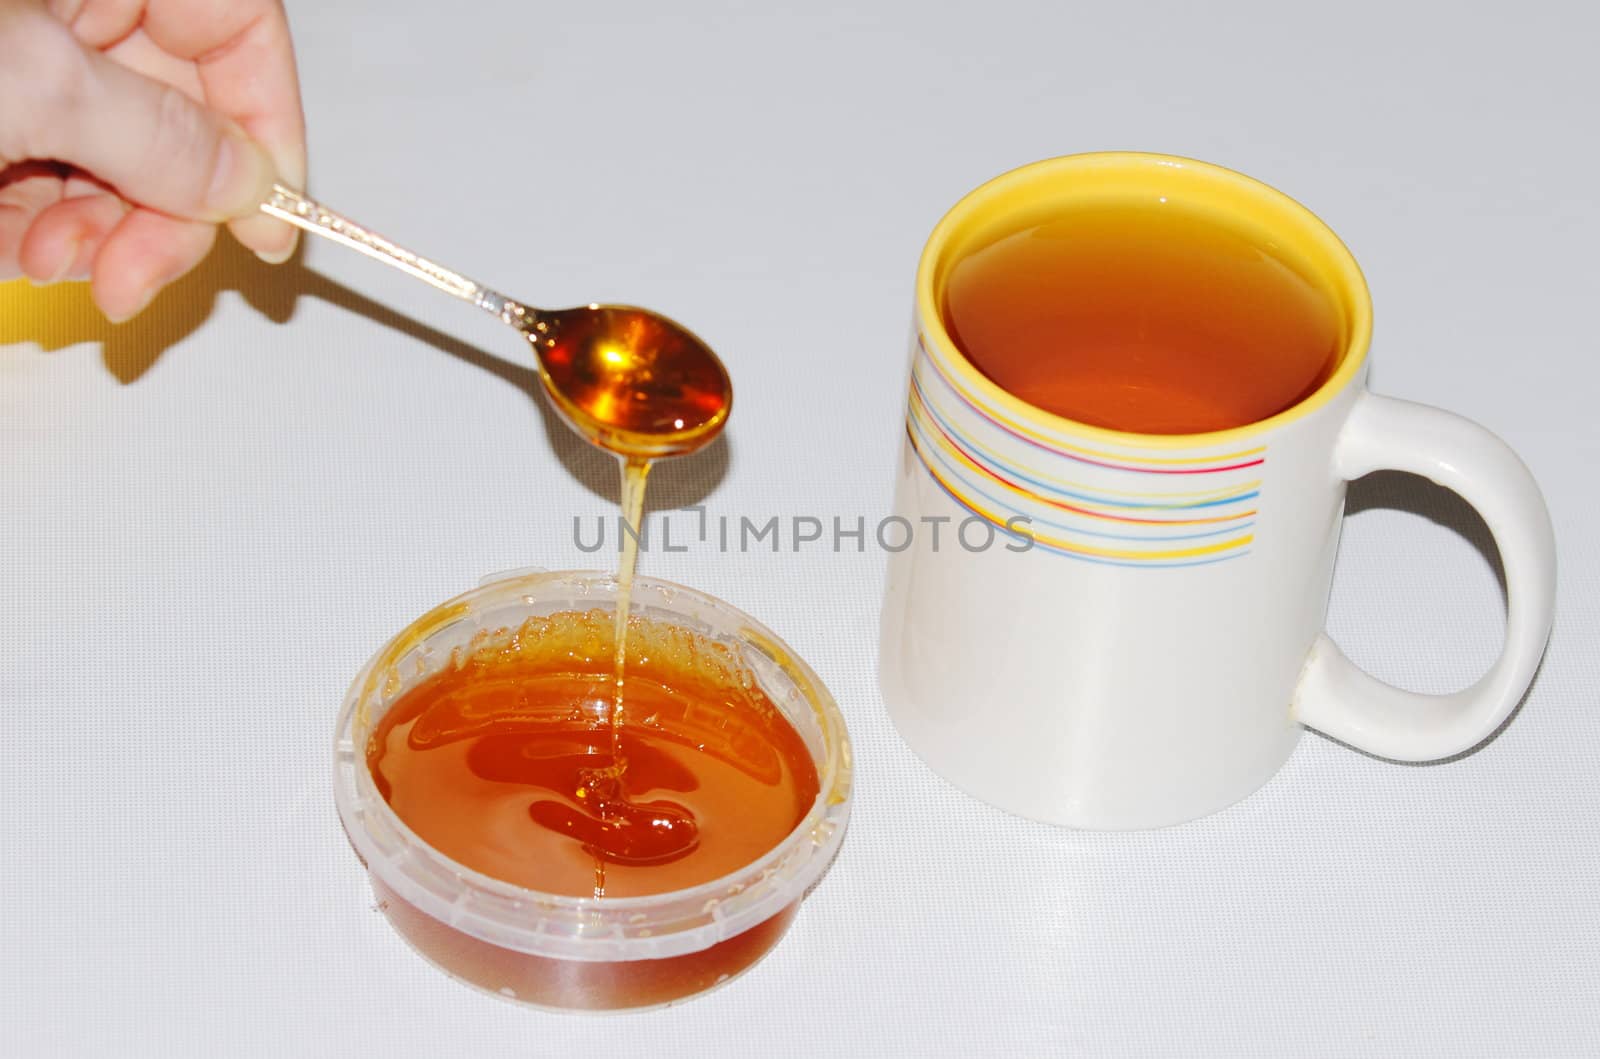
210	518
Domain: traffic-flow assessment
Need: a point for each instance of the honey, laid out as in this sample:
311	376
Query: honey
509	762
630	381
581	985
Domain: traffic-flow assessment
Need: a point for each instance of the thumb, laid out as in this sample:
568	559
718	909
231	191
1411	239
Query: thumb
149	140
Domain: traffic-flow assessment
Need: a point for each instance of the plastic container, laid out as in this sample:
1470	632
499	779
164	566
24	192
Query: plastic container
582	953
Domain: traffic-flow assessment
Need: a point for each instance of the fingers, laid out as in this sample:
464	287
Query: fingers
81	229
245	59
27	190
142	254
66	237
98	23
142	130
150	141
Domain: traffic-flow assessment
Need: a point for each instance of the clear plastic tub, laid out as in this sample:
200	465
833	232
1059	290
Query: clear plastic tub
583	953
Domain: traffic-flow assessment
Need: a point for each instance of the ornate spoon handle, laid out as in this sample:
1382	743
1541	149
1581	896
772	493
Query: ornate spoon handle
289	205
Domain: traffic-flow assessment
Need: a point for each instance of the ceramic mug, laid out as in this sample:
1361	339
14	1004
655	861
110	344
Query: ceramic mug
1146	645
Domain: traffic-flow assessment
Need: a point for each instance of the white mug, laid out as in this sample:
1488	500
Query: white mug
1148	644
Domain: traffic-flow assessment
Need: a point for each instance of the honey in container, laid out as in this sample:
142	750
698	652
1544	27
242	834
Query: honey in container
532	842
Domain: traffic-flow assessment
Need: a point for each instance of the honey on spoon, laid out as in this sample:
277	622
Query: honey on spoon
631	382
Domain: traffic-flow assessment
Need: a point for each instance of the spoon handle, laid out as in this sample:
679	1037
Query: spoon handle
289	205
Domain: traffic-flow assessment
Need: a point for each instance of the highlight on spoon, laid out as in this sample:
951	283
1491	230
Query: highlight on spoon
630	380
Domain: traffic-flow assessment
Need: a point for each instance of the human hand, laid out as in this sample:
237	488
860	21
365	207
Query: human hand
129	129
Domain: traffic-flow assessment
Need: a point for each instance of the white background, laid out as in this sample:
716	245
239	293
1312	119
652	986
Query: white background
209	519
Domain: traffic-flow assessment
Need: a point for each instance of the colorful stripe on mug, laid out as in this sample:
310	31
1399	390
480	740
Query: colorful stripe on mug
1125	508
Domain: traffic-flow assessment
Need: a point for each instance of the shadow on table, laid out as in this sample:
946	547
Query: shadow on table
63	315
1411	493
1414	494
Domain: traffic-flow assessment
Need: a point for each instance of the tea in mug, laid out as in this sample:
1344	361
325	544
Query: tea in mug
1143	316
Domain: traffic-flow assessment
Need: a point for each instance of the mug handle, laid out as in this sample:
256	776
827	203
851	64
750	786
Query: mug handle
1339	699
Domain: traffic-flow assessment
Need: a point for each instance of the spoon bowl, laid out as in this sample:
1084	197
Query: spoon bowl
630	380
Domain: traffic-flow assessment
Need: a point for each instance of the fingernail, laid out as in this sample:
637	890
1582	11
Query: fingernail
241	179
278	257
122	318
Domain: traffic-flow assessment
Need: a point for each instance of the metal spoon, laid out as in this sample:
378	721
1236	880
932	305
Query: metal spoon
629	380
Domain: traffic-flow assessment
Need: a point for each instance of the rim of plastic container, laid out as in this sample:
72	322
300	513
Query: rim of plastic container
587	928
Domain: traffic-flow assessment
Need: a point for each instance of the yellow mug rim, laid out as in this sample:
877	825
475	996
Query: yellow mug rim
1245	196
